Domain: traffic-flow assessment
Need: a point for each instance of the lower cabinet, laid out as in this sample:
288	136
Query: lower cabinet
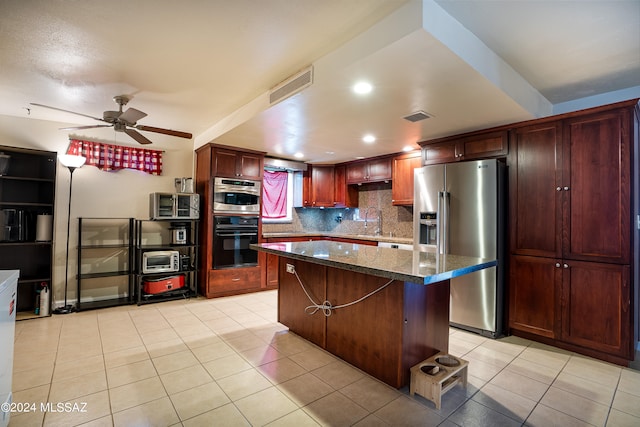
233	280
582	306
534	296
596	307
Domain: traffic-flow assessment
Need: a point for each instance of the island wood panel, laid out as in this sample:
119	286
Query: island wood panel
367	334
292	300
426	317
383	335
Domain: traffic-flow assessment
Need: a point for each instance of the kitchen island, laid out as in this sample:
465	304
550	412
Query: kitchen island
382	310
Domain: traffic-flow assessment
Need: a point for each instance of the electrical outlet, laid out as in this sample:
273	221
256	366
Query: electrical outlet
291	269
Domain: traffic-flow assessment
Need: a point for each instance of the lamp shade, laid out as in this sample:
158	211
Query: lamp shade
72	161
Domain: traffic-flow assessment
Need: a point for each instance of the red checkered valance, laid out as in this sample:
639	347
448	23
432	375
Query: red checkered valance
110	157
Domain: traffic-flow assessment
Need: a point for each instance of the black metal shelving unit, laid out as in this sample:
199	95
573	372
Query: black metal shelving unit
27	187
105	261
156	235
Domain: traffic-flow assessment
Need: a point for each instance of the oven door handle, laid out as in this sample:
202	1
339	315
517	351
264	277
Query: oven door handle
235	234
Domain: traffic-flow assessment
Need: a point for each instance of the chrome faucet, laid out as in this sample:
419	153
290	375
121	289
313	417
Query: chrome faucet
378	230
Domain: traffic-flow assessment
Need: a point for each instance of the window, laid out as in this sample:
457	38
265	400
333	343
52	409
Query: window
277	196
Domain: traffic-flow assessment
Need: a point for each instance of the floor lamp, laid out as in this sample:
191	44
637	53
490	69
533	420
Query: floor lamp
72	163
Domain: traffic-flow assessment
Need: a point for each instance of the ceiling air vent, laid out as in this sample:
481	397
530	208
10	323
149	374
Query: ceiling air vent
417	116
291	86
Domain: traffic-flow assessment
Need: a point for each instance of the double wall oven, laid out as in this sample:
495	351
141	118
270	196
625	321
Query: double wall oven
236	218
232	236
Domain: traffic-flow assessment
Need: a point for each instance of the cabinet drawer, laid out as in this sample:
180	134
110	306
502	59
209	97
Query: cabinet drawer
233	279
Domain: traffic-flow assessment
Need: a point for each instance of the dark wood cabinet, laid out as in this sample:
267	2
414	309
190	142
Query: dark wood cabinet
571	232
441	152
570	184
346	196
535	199
480	145
214	160
596	185
238	164
319	187
403	177
596	312
534	295
27	190
371	170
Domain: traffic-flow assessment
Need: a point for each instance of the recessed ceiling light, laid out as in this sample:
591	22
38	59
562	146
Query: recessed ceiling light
298	155
407	148
330	152
369	138
362	88
360	157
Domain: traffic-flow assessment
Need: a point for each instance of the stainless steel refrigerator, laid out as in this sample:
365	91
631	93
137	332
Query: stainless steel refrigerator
459	209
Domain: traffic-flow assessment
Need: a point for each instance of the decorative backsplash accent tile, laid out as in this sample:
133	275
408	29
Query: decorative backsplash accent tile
397	221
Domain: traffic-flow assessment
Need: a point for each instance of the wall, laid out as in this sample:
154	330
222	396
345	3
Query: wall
96	193
397	220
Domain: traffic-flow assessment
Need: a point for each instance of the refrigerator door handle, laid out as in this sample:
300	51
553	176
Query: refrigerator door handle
445	221
439	243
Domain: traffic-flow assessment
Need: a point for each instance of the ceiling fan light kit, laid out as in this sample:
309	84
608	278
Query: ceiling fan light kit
122	121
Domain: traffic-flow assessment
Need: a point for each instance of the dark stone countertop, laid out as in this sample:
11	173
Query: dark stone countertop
369	237
404	265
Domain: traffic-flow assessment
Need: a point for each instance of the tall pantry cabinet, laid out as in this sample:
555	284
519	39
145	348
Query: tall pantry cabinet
571	231
215	160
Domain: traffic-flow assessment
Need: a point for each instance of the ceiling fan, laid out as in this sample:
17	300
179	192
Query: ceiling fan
123	121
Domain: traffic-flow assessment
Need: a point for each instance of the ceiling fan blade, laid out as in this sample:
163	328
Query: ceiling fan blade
165	131
137	136
131	116
86	127
67	111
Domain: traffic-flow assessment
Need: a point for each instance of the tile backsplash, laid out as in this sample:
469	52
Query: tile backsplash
396	221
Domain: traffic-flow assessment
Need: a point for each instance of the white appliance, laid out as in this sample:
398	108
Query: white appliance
459	209
8	290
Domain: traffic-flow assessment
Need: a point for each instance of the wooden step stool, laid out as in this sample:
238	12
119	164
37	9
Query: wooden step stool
437	375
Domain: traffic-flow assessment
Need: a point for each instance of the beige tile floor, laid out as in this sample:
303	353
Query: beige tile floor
227	362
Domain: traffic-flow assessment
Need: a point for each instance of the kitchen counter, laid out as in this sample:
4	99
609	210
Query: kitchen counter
368	237
407	266
367	304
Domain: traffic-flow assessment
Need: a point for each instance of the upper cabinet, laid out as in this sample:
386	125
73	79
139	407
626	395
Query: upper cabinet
403	176
319	187
238	164
536	174
482	145
346	196
571	188
370	170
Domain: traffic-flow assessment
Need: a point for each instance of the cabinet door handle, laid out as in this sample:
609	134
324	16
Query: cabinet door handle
557	264
565	265
566	188
558	188
235	279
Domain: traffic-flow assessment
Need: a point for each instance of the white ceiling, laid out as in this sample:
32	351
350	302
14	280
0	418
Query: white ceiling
206	66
